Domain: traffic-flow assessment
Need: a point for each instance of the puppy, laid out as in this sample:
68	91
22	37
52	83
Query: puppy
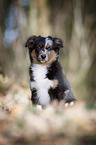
47	81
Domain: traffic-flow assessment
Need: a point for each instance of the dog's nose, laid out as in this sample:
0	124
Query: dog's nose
43	56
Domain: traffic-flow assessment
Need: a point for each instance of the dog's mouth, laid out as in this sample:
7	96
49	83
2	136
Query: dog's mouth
43	61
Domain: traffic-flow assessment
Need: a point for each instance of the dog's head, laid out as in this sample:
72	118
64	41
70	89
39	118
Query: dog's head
43	50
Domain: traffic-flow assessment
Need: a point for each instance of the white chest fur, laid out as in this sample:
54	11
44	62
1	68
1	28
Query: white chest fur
41	83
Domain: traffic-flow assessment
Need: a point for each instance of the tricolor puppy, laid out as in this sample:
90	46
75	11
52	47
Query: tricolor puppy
47	81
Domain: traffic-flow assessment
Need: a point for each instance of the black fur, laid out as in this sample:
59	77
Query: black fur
55	72
34	99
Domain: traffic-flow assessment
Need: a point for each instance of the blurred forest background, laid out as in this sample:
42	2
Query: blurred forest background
74	21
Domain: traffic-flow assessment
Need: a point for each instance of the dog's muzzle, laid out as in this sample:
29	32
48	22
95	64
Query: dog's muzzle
43	57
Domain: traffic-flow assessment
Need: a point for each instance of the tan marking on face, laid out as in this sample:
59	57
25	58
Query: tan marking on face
55	83
34	56
47	46
41	45
52	57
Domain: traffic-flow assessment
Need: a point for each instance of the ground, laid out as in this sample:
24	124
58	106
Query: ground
22	123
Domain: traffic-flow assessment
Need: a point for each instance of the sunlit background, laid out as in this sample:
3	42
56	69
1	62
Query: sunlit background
74	21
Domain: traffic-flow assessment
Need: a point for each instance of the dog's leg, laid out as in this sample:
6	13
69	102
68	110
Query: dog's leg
68	97
34	97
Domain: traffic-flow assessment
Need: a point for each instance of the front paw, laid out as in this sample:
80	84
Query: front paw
68	96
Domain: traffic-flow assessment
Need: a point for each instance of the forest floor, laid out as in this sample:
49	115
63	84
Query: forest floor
22	123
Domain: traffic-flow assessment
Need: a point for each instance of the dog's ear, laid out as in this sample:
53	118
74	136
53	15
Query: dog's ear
30	42
50	37
58	42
